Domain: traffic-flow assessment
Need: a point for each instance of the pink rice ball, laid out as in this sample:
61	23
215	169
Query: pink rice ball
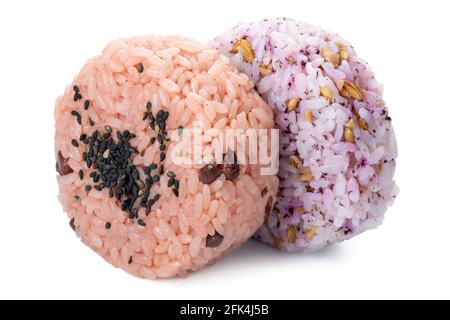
126	197
338	148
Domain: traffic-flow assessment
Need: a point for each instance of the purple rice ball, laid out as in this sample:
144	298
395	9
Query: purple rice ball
337	145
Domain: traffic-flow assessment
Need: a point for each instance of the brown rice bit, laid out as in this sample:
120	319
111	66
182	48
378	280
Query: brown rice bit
290	60
245	48
309	234
326	93
330	56
306	175
353	90
363	124
265	69
293	104
292	234
308	116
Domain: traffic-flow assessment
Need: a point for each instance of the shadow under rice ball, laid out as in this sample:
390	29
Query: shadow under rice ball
125	196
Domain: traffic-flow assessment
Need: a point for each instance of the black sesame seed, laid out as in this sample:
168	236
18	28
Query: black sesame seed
147	170
180	130
83	137
141	222
160	139
177	184
91	122
170	174
155	178
98	188
75	143
88	188
140	68
81	174
75	88
86	104
130	260
148	106
161	169
162	147
162	156
145	116
171	182
156	197
175	192
152	140
153	166
108	225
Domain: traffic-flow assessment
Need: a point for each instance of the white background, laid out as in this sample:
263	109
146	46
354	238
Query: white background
45	43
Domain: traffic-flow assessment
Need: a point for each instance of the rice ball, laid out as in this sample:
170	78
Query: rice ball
337	150
126	194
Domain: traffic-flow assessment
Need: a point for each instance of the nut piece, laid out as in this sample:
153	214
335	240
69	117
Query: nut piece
308	116
311	233
348	135
343	55
245	48
293	104
363	124
295	162
235	47
353	90
345	94
292	234
330	56
306	175
350	124
326	93
290	60
265	69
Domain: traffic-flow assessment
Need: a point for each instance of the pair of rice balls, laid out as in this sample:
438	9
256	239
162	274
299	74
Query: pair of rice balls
118	123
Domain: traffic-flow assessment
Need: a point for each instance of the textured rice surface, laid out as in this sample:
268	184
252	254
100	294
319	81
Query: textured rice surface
205	221
338	148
